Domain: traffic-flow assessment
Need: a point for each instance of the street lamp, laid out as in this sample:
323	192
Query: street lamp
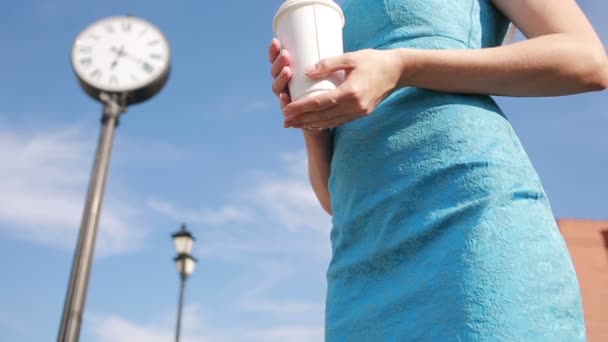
183	241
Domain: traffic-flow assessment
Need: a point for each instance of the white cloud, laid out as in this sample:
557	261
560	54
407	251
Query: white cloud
117	329
287	198
291	203
114	328
276	215
285	334
277	233
284	198
42	189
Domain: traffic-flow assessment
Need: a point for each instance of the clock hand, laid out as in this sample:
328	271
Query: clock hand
140	61
133	58
119	53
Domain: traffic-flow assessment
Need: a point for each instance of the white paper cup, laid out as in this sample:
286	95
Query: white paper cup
310	30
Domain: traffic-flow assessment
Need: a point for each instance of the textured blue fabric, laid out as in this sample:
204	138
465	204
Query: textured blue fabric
441	227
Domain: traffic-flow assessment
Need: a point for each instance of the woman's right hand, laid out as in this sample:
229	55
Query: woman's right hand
282	73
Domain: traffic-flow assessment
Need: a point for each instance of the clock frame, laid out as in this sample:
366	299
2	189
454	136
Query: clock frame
116	27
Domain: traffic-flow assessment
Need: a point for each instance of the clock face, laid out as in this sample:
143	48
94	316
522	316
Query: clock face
120	54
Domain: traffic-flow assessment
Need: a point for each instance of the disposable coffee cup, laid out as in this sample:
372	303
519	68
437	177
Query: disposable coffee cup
310	30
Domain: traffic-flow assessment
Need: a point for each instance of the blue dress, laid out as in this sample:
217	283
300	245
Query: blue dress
441	228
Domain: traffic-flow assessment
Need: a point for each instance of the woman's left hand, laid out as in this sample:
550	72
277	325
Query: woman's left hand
371	75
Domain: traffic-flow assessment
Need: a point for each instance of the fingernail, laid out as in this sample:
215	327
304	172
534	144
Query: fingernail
283	53
310	68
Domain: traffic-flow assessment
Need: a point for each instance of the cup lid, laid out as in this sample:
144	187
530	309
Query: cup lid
290	4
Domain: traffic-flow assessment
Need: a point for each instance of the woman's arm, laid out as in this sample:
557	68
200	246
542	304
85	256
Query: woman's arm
318	143
562	56
319	150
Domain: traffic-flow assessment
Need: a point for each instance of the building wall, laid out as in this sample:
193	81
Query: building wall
588	245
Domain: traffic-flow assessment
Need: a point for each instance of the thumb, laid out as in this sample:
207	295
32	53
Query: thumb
327	66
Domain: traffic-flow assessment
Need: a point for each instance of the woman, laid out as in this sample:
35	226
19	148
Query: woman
441	227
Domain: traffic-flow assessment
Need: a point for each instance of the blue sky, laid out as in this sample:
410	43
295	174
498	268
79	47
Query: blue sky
210	150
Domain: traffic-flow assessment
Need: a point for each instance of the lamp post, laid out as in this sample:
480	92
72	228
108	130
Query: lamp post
183	241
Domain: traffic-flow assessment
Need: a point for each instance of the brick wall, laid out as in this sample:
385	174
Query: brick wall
588	244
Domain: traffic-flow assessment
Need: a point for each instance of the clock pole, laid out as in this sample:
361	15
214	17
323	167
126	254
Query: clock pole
114	106
139	70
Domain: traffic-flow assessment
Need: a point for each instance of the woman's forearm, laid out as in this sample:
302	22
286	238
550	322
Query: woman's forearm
550	65
319	150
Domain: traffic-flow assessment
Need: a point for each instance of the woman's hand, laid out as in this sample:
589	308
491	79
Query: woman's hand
371	75
281	72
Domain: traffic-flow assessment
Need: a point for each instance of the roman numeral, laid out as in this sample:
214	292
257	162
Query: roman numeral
155	56
96	74
148	68
126	26
85	49
154	42
110	28
113	80
86	62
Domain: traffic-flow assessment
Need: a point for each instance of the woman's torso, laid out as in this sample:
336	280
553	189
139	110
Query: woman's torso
416	132
441	228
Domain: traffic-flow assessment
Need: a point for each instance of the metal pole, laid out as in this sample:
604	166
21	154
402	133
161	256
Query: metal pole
179	307
85	248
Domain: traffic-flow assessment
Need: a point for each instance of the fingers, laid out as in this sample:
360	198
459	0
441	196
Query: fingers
285	99
327	66
280	71
274	50
327	124
332	122
325	118
330	109
282	60
316	103
280	84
